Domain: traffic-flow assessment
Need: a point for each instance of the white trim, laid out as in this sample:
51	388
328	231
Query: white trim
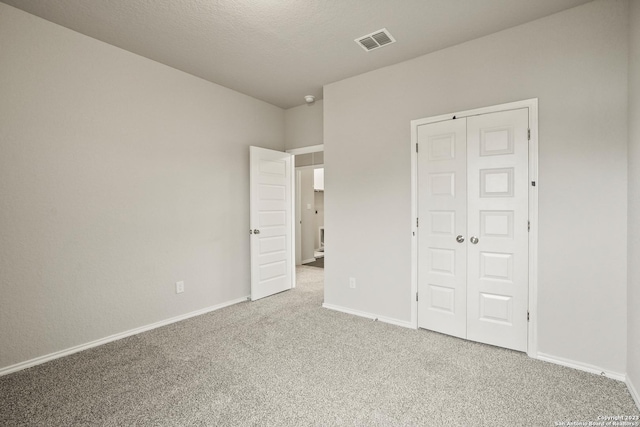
292	236
305	261
532	344
581	366
403	323
633	391
527	103
318	166
306	150
58	354
414	228
298	218
532	105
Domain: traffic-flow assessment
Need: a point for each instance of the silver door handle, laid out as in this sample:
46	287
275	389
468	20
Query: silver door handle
459	238
256	231
474	240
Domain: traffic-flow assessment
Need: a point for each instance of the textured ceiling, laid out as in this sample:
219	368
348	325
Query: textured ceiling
280	50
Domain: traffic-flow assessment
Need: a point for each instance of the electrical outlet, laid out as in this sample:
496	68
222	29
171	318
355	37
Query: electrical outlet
179	287
352	282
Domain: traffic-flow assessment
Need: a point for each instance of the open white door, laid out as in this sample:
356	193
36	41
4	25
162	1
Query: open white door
271	222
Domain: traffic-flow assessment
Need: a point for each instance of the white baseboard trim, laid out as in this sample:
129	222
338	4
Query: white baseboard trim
404	324
580	366
305	261
58	354
633	391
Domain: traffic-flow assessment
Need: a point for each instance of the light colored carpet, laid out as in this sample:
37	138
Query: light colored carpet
285	361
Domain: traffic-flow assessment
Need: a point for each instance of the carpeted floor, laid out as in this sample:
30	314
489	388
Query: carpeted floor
285	361
319	262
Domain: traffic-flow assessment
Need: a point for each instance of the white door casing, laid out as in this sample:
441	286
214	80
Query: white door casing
442	175
298	217
271	222
476	290
298	199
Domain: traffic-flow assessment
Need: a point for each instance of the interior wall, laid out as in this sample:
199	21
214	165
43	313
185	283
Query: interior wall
575	62
304	125
633	298
309	159
118	177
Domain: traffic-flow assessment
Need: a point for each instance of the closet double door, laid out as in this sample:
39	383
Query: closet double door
473	227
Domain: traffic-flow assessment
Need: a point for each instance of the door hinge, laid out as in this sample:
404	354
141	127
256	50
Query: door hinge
528	225
416	296
528	134
527	316
416	147
417	222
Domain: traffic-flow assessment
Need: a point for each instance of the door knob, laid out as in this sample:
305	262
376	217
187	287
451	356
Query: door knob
256	231
459	239
474	240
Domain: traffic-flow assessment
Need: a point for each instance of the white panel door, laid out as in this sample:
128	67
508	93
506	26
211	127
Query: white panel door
473	231
442	207
498	257
271	222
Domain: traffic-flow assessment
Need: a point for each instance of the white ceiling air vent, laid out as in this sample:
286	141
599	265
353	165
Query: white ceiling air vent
375	40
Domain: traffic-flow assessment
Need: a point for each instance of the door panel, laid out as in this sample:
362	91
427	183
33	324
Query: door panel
272	216
497	276
441	259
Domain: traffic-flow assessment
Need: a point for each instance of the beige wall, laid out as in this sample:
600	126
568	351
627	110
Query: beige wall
309	159
304	125
118	177
575	62
633	301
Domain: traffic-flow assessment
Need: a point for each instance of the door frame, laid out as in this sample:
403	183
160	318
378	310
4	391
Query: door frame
532	105
306	150
294	191
298	235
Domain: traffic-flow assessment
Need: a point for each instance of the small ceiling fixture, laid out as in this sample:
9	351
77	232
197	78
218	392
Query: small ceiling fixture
309	99
375	40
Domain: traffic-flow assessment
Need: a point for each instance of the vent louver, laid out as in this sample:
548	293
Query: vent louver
375	40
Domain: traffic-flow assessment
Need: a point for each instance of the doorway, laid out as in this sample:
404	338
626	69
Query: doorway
309	206
475	203
310	215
